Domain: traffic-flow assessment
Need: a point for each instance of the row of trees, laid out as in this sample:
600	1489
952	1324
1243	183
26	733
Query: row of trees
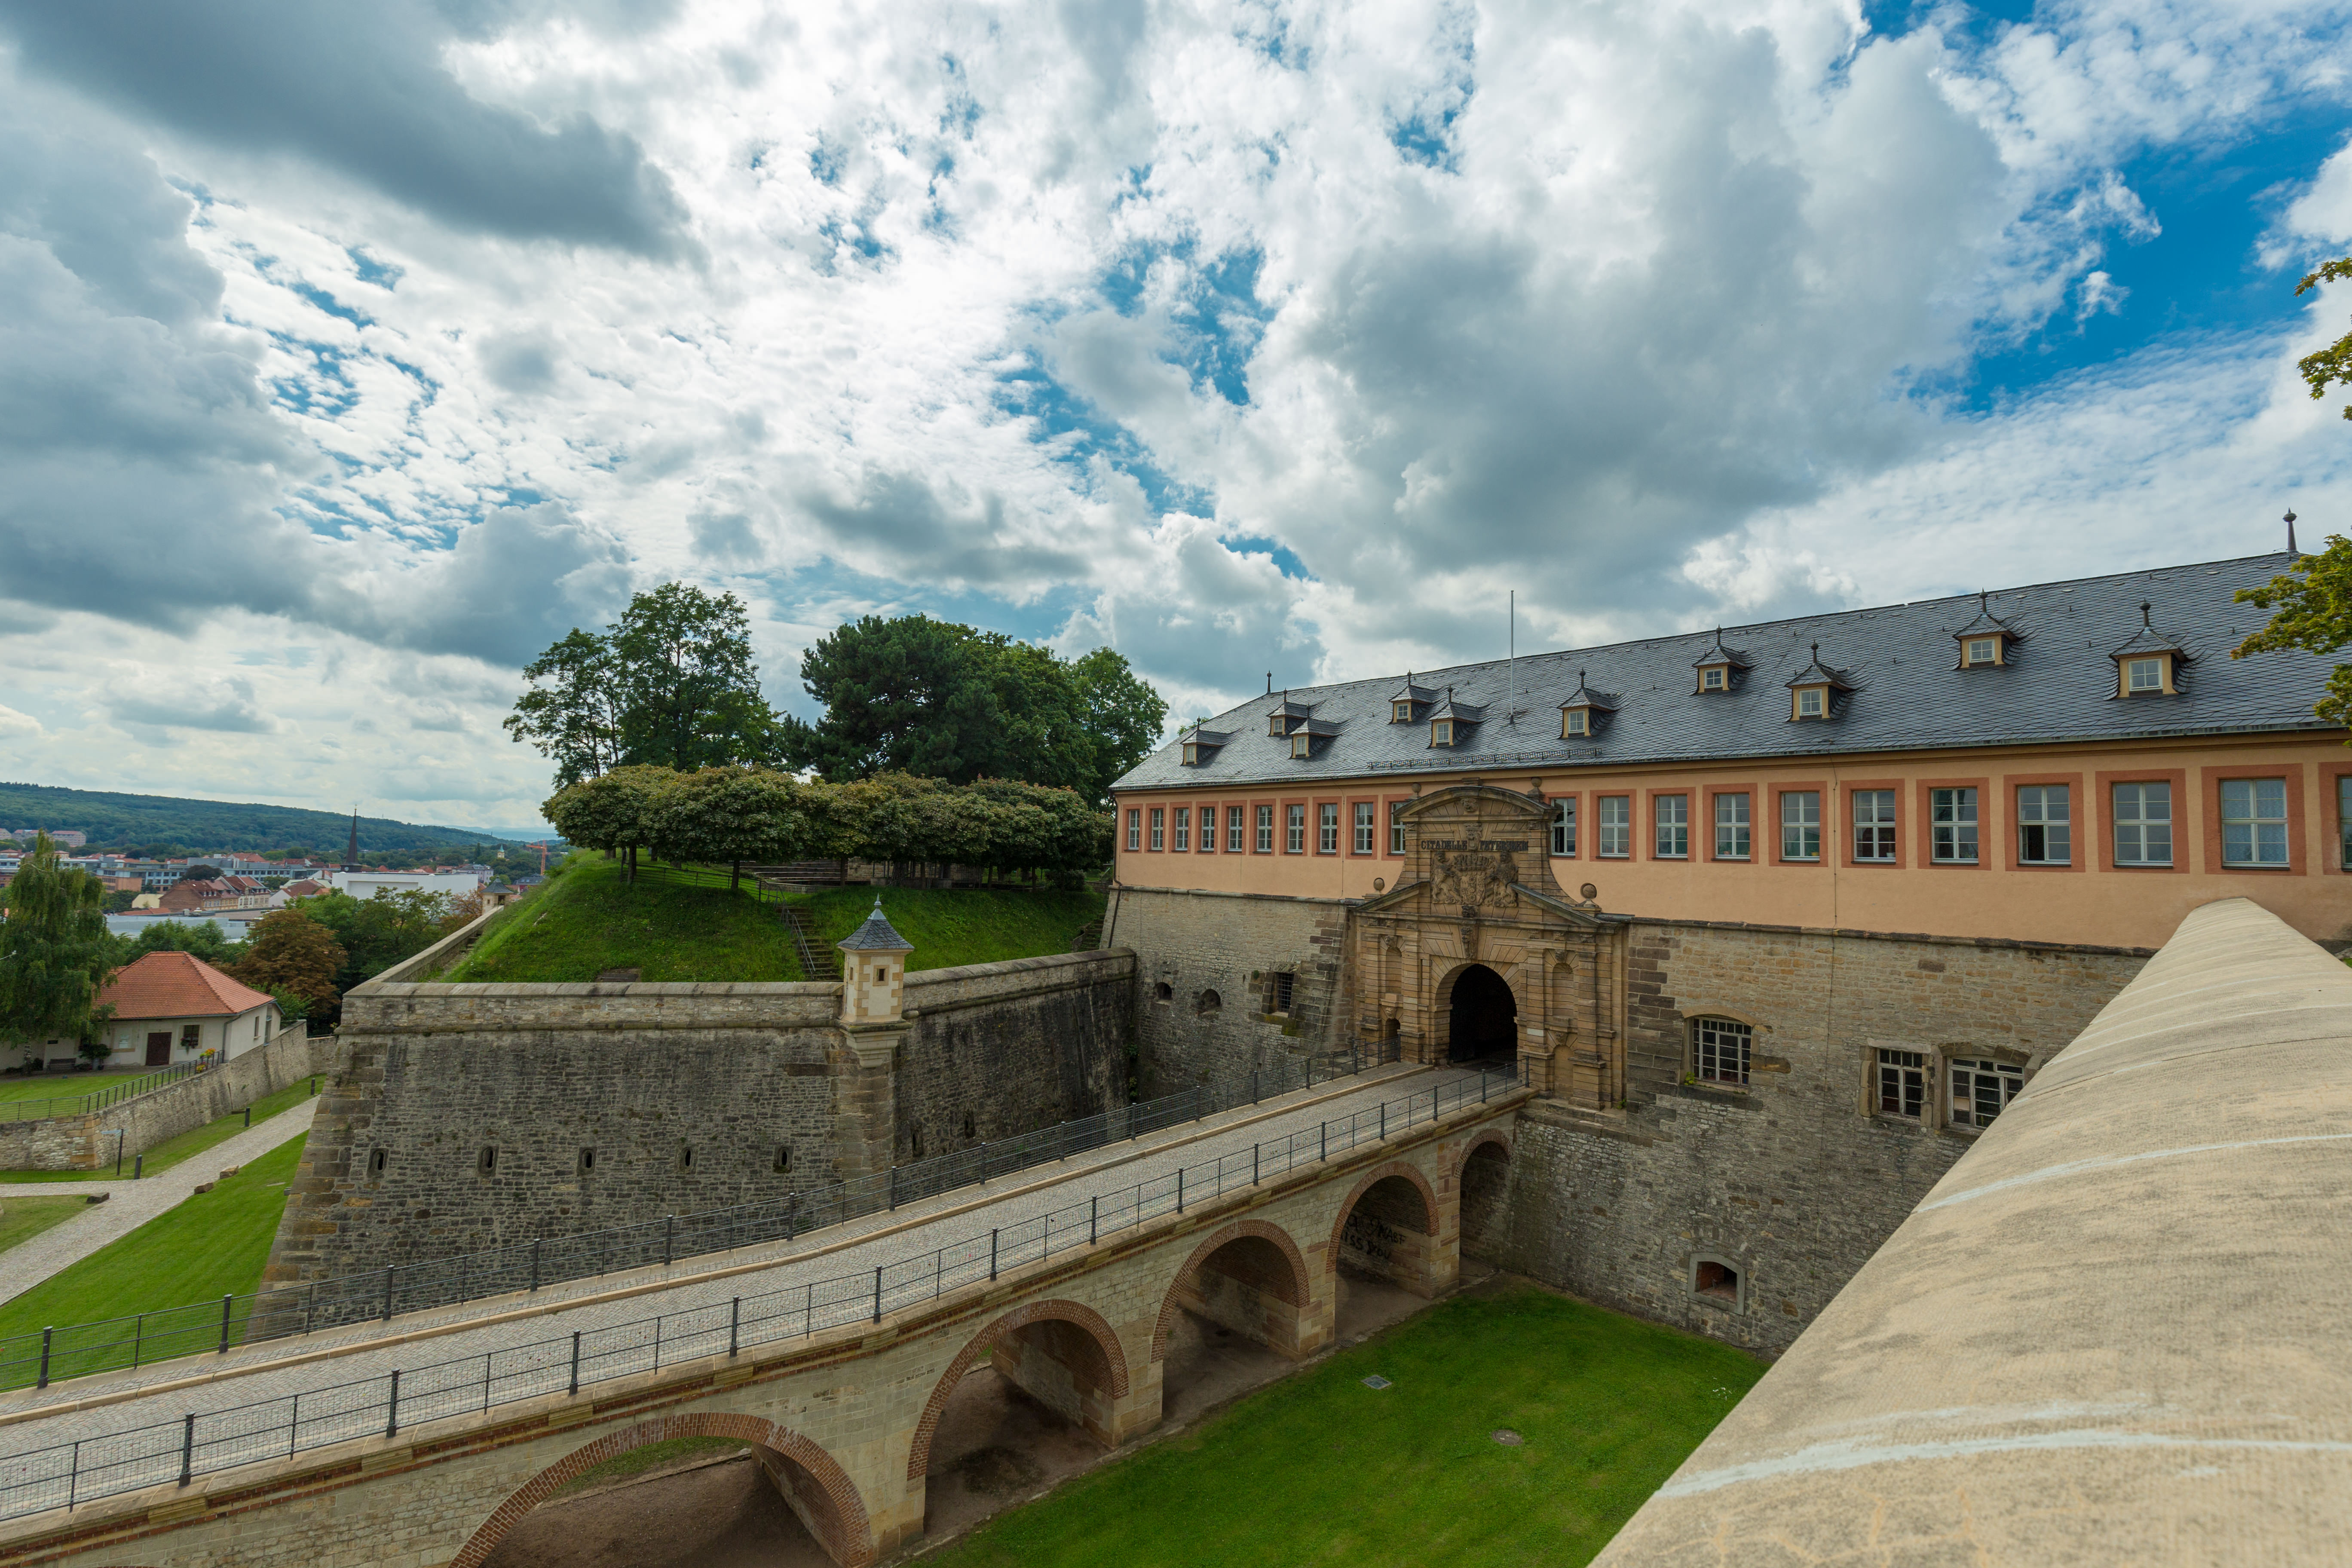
763	816
672	685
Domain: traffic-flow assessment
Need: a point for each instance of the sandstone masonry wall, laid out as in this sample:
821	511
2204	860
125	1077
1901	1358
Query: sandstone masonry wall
88	1140
1231	945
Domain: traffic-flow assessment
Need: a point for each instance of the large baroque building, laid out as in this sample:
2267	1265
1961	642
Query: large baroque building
1775	918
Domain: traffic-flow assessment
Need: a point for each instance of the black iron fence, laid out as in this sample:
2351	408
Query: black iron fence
81	1350
207	1442
100	1098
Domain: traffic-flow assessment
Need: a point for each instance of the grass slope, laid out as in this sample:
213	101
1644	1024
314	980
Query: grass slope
1319	1469
214	1245
188	1144
685	925
111	818
21	1219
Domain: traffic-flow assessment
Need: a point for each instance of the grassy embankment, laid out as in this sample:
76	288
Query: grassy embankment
187	1146
214	1245
1320	1468
686	925
21	1219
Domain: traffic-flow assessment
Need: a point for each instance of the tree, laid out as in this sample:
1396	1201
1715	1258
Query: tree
290	954
2333	364
378	932
2311	605
575	718
55	952
201	873
204	939
1123	713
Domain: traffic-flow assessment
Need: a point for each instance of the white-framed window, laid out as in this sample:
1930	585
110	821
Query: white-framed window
2143	675
1401	713
2343	819
1266	830
1711	679
1874	824
1160	827
1563	826
1441	733
1235	833
1719	1050
1980	1089
2143	824
1301	744
2253	822
1183	826
1672	827
2045	827
1902	1083
1208	830
1367	824
1984	651
1326	827
1952	825
1192	754
1731	827
1810	702
1800	825
1575	722
1294	829
1134	828
1396	828
1616	827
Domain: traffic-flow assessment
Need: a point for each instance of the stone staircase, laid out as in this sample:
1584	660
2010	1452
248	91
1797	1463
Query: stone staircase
819	961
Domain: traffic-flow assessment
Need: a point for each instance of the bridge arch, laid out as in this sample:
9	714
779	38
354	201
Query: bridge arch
1480	1183
825	1497
1097	1333
1266	1260
1388	1224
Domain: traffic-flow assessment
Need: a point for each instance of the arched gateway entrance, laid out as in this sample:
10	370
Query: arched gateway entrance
1482	1017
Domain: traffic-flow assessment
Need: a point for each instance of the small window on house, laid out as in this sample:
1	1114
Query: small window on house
377	1160
1441	733
487	1162
1301	744
1134	830
2143	824
1575	722
1616	827
1327	828
1192	754
1979	1090
1183	826
1294	831
1367	825
1800	825
1874	824
1266	830
1276	725
1278	992
1984	651
1163	991
1719	1280
1810	702
1719	1050
1711	677
1234	830
1902	1083
587	1161
1952	825
191	1036
1673	826
2253	822
1399	713
2143	675
1733	831
2044	829
1563	826
784	1162
1208	830
1208	1002
1159	827
1396	828
2343	819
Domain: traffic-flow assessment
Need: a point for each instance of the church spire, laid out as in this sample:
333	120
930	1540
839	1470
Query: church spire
351	850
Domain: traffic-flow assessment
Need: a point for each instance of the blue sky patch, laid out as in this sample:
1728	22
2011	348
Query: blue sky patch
1286	560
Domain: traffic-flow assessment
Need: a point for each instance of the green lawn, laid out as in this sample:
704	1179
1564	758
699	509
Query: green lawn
1320	1470
172	1150
21	1219
63	1085
214	1245
686	925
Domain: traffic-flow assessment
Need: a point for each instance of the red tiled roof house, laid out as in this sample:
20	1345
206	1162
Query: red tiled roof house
173	1007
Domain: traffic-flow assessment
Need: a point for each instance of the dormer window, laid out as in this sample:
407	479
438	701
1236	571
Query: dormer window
1714	678
1986	641
1307	734
1814	694
1300	743
2149	664
1441	733
1812	701
1276	725
1720	667
1401	713
1585	711
1200	745
1984	651
2144	675
1409	704
1575	722
1450	724
1287	716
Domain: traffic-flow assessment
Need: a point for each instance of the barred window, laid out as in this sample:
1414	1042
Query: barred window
1902	1083
1278	992
1234	831
1266	830
1673	826
1367	821
1563	826
2044	831
1720	1050
1294	840
1183	826
1952	824
1616	827
1731	827
2143	824
1874	824
1134	828
2253	822
1800	825
1327	828
1159	827
1396	828
1980	1089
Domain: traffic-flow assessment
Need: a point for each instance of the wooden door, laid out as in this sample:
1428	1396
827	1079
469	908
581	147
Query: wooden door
158	1049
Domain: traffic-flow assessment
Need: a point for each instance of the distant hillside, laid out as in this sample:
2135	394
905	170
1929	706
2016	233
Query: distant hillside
213	825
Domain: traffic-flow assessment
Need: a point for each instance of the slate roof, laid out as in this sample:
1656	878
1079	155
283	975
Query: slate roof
2058	686
875	934
176	986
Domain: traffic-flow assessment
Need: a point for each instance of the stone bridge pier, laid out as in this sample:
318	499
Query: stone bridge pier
844	1422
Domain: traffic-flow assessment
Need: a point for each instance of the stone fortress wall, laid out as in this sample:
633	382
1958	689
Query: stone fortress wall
471	1116
88	1140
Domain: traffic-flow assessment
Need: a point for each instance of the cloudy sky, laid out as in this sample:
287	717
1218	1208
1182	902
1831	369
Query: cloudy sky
349	354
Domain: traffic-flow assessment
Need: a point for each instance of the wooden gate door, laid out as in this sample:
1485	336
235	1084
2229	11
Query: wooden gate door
158	1049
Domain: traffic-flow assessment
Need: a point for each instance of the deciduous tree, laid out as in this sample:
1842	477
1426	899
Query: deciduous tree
291	953
55	952
2311	611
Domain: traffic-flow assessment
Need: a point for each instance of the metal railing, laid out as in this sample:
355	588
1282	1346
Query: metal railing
81	1350
207	1442
100	1098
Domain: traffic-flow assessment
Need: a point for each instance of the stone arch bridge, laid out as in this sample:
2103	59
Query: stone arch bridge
842	1421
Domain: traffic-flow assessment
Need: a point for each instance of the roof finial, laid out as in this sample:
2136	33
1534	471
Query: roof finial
2291	550
1817	653
1269	683
2143	616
